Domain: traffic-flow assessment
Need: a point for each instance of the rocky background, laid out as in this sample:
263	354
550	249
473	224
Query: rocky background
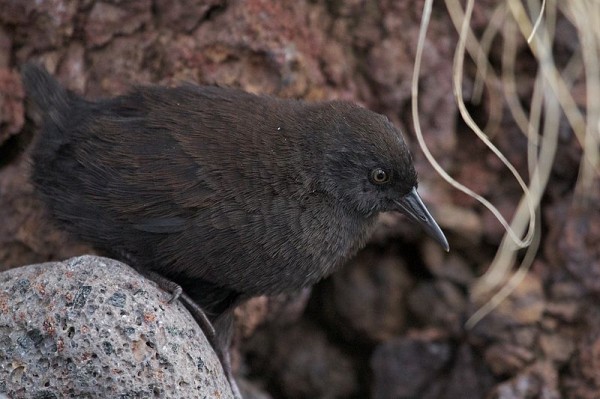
391	323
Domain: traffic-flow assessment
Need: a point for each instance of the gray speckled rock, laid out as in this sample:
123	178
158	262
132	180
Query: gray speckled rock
92	327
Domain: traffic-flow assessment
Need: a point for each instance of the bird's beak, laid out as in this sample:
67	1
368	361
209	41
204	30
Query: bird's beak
412	206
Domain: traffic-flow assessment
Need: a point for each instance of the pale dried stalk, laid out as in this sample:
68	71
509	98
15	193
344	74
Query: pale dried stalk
550	97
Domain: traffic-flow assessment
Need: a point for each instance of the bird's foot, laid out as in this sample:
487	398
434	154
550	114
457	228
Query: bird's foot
218	339
177	293
220	347
220	343
165	284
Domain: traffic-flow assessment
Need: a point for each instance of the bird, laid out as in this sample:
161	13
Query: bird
228	194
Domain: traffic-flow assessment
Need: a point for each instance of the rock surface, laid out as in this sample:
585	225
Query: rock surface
403	292
92	327
404	367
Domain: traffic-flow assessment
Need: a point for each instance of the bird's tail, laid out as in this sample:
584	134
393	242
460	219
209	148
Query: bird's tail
46	93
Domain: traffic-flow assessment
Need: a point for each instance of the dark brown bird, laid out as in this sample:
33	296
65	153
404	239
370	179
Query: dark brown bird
228	194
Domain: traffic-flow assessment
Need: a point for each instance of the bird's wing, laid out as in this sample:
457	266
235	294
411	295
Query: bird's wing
141	172
164	225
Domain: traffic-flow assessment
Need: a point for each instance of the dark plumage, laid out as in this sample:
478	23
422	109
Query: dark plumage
229	194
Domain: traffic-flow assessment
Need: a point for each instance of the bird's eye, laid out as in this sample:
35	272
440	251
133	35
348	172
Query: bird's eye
379	176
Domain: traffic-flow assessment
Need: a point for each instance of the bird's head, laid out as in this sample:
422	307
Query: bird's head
367	166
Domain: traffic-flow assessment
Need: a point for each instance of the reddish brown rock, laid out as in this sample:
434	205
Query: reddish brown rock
511	332
5	48
107	20
538	381
280	310
72	68
12	113
524	307
508	359
250	390
439	303
582	379
26	235
185	15
361	51
288	308
300	361
40	25
558	346
251	314
367	300
404	367
118	66
468	377
580	241
451	266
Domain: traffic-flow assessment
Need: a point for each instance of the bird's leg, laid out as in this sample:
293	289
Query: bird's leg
223	334
218	335
219	338
177	293
165	284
